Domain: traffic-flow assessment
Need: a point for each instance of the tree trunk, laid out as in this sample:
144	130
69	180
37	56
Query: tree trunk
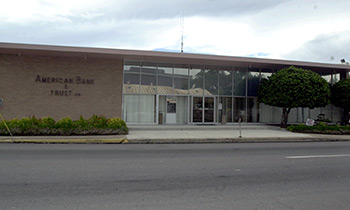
285	114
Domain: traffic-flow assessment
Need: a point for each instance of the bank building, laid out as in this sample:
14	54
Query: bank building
145	87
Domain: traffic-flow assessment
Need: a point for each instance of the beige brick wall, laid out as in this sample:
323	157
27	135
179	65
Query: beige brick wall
60	86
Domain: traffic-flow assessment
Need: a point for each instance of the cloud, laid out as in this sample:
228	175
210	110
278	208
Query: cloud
269	28
330	48
156	9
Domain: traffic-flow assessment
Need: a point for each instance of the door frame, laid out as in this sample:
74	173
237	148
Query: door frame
203	109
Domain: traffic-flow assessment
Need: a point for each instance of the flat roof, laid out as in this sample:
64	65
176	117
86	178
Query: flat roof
171	57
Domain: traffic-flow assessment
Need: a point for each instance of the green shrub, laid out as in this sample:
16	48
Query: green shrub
117	123
96	125
2	125
321	128
98	121
65	123
47	122
82	123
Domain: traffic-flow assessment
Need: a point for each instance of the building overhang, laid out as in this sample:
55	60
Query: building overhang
170	57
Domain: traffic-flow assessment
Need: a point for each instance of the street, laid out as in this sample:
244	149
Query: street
175	176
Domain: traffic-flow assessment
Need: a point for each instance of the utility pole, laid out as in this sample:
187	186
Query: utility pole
182	31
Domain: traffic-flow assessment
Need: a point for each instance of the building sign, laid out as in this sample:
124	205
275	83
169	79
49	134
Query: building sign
66	82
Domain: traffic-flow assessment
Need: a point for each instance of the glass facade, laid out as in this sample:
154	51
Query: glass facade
169	93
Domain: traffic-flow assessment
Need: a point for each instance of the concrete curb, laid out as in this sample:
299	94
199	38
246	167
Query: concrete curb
124	140
66	141
233	140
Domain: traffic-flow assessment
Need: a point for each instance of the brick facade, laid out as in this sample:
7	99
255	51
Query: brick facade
60	86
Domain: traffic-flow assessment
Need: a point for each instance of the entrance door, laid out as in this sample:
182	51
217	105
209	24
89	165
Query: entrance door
209	109
203	109
197	108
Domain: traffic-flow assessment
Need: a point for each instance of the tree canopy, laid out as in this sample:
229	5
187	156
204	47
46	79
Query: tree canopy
341	97
294	87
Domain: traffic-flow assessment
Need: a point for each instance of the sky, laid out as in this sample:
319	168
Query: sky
306	30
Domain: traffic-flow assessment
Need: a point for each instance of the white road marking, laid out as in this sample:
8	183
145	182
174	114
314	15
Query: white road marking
318	156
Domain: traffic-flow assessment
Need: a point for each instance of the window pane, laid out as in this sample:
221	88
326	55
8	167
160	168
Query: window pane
328	78
225	82
253	82
165	85
148	84
149	68
181	85
132	66
131	83
165	69
239	76
131	78
181	70
252	111
335	78
147	108
225	110
131	108
239	109
265	75
211	81
196	77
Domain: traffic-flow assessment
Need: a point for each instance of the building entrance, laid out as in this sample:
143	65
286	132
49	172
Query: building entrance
203	109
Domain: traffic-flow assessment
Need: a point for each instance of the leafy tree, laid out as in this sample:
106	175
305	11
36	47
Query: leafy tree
294	87
341	97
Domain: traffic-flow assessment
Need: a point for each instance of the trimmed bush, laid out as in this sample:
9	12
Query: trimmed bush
117	123
47	122
321	128
96	125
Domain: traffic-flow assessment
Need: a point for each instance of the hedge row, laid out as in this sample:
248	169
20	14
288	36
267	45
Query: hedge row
96	125
321	128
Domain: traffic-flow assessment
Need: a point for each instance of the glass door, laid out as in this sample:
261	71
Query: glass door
197	109
203	109
209	109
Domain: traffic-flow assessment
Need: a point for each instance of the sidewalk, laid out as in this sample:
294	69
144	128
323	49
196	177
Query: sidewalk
148	134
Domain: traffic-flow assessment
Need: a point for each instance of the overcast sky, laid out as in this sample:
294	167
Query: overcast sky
309	30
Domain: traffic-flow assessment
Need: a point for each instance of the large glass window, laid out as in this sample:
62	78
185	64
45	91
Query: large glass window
132	66
131	108
240	109
253	82
328	78
181	109
148	84
149	68
131	77
147	109
335	78
165	78
165	85
211	81
225	110
196	80
239	76
252	110
148	78
225	81
181	69
181	79
139	108
165	69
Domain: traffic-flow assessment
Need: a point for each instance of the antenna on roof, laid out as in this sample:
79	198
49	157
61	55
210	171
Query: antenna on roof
182	31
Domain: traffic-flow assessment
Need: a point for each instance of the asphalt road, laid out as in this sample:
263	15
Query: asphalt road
186	176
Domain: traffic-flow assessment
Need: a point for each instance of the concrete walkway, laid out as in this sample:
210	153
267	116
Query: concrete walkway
143	134
219	134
